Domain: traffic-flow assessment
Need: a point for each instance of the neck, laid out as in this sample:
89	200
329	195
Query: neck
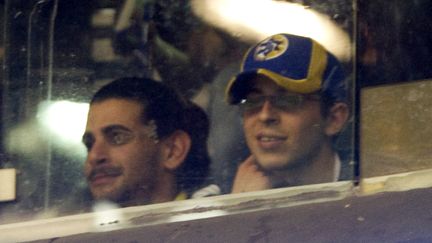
164	190
319	169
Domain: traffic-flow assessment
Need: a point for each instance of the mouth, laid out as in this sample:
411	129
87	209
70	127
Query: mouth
270	138
103	175
270	141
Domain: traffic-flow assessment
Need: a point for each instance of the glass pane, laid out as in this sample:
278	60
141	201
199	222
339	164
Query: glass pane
59	53
394	67
396	136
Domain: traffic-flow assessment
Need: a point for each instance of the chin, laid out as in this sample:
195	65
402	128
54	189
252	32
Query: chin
275	163
110	195
271	164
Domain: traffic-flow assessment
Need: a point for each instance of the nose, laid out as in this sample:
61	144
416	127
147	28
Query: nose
268	114
97	154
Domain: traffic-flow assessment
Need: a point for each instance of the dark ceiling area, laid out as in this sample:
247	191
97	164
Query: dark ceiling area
393	37
395	41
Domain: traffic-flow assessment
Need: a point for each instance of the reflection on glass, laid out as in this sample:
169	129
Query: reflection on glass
72	48
394	56
256	20
65	119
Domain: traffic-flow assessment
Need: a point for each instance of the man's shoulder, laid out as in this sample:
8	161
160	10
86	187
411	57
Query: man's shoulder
210	190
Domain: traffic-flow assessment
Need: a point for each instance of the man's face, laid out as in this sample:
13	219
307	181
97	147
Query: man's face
282	138
123	158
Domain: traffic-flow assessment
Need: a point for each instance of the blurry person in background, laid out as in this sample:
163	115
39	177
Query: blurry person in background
166	41
146	144
292	95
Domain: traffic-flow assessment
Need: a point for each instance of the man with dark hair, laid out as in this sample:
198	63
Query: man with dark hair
145	143
292	94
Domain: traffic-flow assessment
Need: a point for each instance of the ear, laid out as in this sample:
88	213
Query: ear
175	149
336	118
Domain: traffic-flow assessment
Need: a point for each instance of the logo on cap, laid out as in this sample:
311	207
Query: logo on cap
271	48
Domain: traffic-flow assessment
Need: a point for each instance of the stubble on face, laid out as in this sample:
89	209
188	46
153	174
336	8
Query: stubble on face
133	186
126	166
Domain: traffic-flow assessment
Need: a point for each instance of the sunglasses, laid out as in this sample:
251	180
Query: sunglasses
285	102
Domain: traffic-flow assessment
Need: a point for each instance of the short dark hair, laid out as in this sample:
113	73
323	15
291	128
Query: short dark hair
170	112
192	173
328	99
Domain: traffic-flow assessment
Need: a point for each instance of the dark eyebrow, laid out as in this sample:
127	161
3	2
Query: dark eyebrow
112	128
105	130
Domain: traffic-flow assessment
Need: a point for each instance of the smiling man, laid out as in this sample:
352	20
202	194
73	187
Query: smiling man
145	144
293	98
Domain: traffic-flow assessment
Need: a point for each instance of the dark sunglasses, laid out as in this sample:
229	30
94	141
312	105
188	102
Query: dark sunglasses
285	102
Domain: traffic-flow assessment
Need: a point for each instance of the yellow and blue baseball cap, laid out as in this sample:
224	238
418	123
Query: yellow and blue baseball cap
299	64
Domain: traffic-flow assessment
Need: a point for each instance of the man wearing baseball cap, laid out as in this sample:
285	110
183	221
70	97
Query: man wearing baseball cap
292	95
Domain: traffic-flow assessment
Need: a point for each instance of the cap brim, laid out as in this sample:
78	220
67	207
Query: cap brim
239	86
